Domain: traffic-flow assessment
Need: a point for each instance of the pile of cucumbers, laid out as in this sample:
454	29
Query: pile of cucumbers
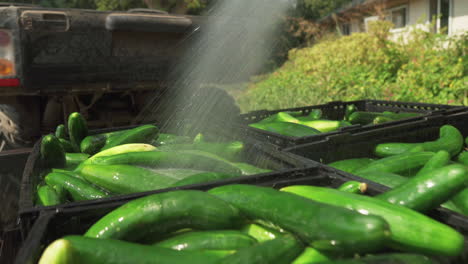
294	124
80	167
422	176
246	224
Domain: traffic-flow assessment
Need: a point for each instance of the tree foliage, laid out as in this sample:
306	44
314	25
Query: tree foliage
315	9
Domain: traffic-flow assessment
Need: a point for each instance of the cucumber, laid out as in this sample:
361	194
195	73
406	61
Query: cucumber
69	173
66	145
169	139
382	119
350	165
384	178
315	114
78	249
78	189
248	169
363	118
353	187
461	201
47	196
399	163
260	233
398	116
52	153
395	258
410	230
450	140
310	256
463	158
208	240
74	159
282	250
439	160
229	151
189	159
280	117
126	148
344	123
77	129
141	134
323	126
164	213
349	231
433	188
93	144
202	178
349	110
60	132
287	129
124	179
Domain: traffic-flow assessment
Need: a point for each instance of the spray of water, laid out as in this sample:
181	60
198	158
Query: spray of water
231	44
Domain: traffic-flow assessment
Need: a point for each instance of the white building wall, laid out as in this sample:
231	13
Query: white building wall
459	21
418	12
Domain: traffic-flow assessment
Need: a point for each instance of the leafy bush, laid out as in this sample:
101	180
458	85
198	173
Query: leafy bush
425	67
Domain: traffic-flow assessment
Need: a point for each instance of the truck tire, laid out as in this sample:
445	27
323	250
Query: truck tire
12	127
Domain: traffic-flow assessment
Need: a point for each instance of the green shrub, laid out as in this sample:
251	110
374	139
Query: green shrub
425	68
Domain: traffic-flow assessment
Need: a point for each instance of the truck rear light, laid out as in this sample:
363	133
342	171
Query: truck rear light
13	82
7	54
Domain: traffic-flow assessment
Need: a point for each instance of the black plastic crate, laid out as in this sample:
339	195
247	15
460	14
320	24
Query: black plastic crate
256	153
336	111
75	221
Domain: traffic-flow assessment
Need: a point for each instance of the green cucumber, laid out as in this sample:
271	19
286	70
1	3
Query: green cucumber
78	249
189	159
282	250
399	163
67	145
74	159
124	179
307	219
169	139
248	169
433	188
363	118
280	117
395	258
384	178
164	213
344	123
202	178
208	240
60	132
450	140
323	126
92	144
353	187
349	110
350	165
463	158
52	153
260	233
78	189
461	201
382	119
310	256
47	196
398	116
126	148
141	134
410	230
69	173
77	129
229	151
287	129
315	114
439	160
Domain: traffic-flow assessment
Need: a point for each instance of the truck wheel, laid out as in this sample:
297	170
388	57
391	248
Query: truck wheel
11	128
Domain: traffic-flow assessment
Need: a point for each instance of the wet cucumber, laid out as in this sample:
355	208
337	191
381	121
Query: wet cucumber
323	126
382	119
202	178
363	118
398	116
60	132
307	219
94	143
353	187
77	129
384	178
67	145
52	153
74	159
47	196
124	179
439	160
450	140
141	134
248	169
349	110
282	250
78	189
164	213
208	240
433	188
350	165
287	129
230	151
463	158
310	256
401	163
280	117
126	148
410	230
190	159
260	233
396	258
461	201
78	249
